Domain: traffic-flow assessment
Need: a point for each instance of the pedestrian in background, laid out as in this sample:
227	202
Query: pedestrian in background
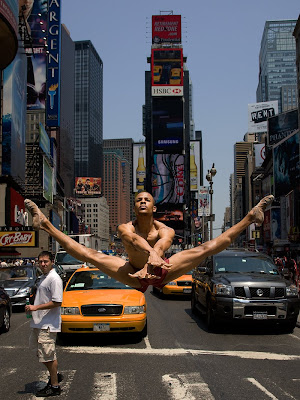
46	322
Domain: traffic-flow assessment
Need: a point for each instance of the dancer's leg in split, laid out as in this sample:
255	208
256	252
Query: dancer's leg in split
187	260
115	267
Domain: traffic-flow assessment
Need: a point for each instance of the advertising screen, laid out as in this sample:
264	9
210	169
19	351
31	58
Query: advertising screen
35	16
18	238
87	186
286	165
282	126
203	202
168	178
53	65
167	67
258	114
167	122
170	214
47	180
18	214
260	154
194	165
166	29
14	118
139	167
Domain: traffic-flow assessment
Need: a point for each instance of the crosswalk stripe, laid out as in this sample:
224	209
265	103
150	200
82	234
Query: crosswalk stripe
105	386
262	388
66	383
187	387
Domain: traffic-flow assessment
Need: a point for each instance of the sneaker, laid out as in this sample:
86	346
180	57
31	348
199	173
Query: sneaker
60	377
49	391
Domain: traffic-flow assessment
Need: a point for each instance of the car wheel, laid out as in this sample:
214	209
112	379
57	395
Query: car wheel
5	321
290	325
210	317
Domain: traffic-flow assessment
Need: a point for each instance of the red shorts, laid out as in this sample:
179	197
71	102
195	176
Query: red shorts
157	282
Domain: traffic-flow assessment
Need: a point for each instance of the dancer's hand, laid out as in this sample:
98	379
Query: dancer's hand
156	261
145	273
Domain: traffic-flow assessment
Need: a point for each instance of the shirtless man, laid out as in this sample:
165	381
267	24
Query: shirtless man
146	241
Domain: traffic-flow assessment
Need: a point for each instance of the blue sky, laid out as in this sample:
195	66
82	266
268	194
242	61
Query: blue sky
221	40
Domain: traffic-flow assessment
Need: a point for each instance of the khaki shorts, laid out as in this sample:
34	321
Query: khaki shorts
42	341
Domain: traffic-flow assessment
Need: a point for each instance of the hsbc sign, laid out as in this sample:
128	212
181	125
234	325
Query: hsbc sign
167	90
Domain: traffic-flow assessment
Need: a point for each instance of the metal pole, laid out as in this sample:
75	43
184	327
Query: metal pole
211	209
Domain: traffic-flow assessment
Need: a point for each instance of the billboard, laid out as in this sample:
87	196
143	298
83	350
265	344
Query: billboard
17	214
166	29
14	237
203	201
260	154
8	29
258	114
47	180
282	126
139	167
168	178
87	186
286	164
53	65
167	125
14	118
35	16
167	72
194	165
44	140
171	215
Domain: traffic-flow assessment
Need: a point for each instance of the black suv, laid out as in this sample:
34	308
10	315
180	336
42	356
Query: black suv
243	285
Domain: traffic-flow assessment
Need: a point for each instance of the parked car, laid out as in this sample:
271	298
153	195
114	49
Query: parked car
93	302
19	281
5	311
67	262
243	285
181	286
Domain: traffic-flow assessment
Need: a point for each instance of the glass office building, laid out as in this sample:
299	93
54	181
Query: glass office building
277	65
88	155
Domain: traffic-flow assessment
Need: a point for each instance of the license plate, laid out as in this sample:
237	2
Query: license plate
101	327
187	290
258	315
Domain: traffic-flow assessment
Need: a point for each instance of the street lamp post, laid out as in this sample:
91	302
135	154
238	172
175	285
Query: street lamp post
209	177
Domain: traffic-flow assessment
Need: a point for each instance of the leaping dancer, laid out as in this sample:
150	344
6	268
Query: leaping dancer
146	241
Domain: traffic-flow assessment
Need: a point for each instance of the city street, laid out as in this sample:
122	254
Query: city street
179	359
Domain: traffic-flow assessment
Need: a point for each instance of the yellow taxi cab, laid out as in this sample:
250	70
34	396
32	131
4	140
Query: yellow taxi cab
181	286
175	76
157	71
93	302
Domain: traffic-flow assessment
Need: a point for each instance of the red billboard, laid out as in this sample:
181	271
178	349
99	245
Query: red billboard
88	186
18	214
166	29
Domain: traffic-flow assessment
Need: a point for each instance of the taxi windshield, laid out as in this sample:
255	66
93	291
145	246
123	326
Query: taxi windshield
93	280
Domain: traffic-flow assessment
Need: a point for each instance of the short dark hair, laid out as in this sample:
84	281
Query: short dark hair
46	253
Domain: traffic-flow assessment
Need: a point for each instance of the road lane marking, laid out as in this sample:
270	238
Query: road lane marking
262	388
294	336
254	355
105	386
187	387
147	343
8	372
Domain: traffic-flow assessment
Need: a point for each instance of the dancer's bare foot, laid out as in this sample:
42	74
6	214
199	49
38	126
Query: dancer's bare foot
258	211
37	216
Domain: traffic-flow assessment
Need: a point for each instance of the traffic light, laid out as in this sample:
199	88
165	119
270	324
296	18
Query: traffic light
199	238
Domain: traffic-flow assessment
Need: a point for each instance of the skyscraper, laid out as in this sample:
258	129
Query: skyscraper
88	110
277	65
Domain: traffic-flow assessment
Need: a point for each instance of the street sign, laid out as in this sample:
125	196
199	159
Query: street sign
255	234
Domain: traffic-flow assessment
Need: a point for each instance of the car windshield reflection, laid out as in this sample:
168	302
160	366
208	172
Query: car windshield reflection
16	273
93	280
247	265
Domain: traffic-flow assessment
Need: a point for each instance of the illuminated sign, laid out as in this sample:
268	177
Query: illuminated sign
12	237
53	65
88	186
166	29
167	69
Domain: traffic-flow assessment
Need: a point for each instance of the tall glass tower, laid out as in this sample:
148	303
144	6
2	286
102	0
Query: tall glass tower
88	146
277	65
